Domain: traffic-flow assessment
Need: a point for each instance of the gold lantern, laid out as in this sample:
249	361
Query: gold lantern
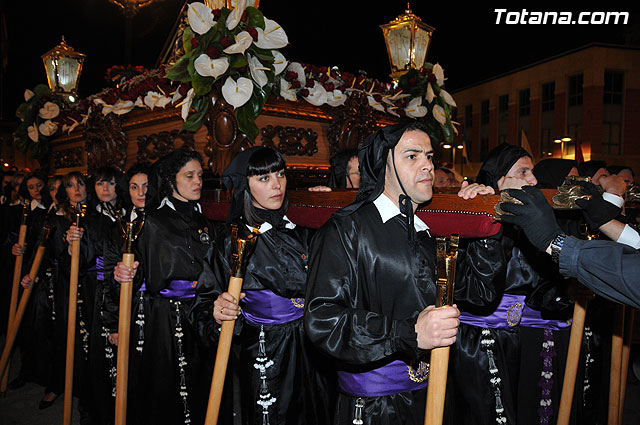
407	39
63	66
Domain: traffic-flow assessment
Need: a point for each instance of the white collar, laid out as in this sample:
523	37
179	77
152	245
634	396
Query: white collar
267	226
168	203
105	212
388	210
133	214
36	204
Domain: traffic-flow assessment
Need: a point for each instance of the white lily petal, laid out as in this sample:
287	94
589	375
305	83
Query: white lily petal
140	103
98	101
430	94
200	18
447	98
208	67
107	109
242	42
336	98
393	112
272	37
70	128
85	118
32	132
439	73
28	94
176	97
414	108
375	104
237	93
186	103
257	73
151	99
298	69
286	91
439	115
48	128
279	63
49	110
234	17
317	94
123	107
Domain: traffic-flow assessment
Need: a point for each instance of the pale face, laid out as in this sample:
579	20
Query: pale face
53	189
414	165
106	190
520	174
441	179
138	189
34	186
76	191
596	177
627	177
268	190
189	182
353	173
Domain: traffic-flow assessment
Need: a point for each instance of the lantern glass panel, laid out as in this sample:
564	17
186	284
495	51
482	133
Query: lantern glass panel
67	73
50	68
420	47
399	40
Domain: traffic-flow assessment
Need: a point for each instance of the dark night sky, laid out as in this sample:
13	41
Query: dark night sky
467	42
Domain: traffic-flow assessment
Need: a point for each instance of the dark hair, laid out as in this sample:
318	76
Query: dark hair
23	190
123	182
417	126
170	166
63	198
263	161
106	174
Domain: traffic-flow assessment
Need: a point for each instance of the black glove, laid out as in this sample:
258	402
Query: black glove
596	210
535	217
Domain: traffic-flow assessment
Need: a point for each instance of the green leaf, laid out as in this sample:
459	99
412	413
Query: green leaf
255	18
237	61
180	70
187	35
201	85
247	122
262	54
22	111
42	90
195	120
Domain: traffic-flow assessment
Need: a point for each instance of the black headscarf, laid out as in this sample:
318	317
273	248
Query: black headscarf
498	163
339	163
590	168
551	172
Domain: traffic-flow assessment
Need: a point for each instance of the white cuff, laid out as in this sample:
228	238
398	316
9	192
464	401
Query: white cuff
614	199
629	237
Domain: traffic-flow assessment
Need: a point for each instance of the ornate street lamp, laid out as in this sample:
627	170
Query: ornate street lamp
407	39
63	66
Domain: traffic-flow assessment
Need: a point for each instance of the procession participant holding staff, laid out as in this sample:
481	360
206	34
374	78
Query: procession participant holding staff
372	286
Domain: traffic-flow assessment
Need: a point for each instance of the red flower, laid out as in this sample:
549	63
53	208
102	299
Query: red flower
226	42
253	32
183	89
412	81
323	78
304	92
194	42
290	76
329	87
295	84
377	97
217	13
245	16
310	83
432	78
213	52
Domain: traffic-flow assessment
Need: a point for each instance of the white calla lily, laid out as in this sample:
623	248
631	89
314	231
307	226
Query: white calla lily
200	18
317	94
98	101
234	17
447	98
257	71
336	98
439	73
272	37
375	104
298	69
414	108
154	99
243	42
439	115
208	67
28	94
70	128
49	110
237	93
430	93
48	128
392	111
279	62
122	107
186	104
140	103
176	97
286	91
32	132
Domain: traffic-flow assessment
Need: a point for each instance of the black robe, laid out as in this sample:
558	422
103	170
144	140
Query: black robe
367	285
297	379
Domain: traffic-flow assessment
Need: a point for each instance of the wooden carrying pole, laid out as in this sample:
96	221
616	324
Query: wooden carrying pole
243	248
626	348
15	287
439	364
573	358
15	325
71	325
124	326
616	365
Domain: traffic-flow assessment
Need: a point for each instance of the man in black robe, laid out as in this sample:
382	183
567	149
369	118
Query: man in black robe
372	287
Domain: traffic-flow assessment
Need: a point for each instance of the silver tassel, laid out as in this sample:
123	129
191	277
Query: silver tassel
357	416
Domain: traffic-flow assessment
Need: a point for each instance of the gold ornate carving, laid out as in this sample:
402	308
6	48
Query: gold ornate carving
105	141
291	140
154	146
67	158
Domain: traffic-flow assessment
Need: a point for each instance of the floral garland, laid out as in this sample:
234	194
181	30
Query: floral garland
118	74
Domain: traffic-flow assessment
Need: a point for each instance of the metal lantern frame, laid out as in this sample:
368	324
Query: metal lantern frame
63	66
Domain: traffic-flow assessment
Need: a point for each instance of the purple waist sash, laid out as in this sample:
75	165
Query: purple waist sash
393	378
176	289
512	312
98	268
263	307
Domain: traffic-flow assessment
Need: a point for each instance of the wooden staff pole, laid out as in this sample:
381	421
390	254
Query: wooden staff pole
15	325
243	251
439	364
15	287
573	358
626	348
616	364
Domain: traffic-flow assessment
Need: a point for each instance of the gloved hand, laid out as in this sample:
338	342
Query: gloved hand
596	210
535	217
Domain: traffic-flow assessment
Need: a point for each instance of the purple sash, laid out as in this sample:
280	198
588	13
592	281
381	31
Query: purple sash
263	307
98	268
393	378
512	312
176	289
